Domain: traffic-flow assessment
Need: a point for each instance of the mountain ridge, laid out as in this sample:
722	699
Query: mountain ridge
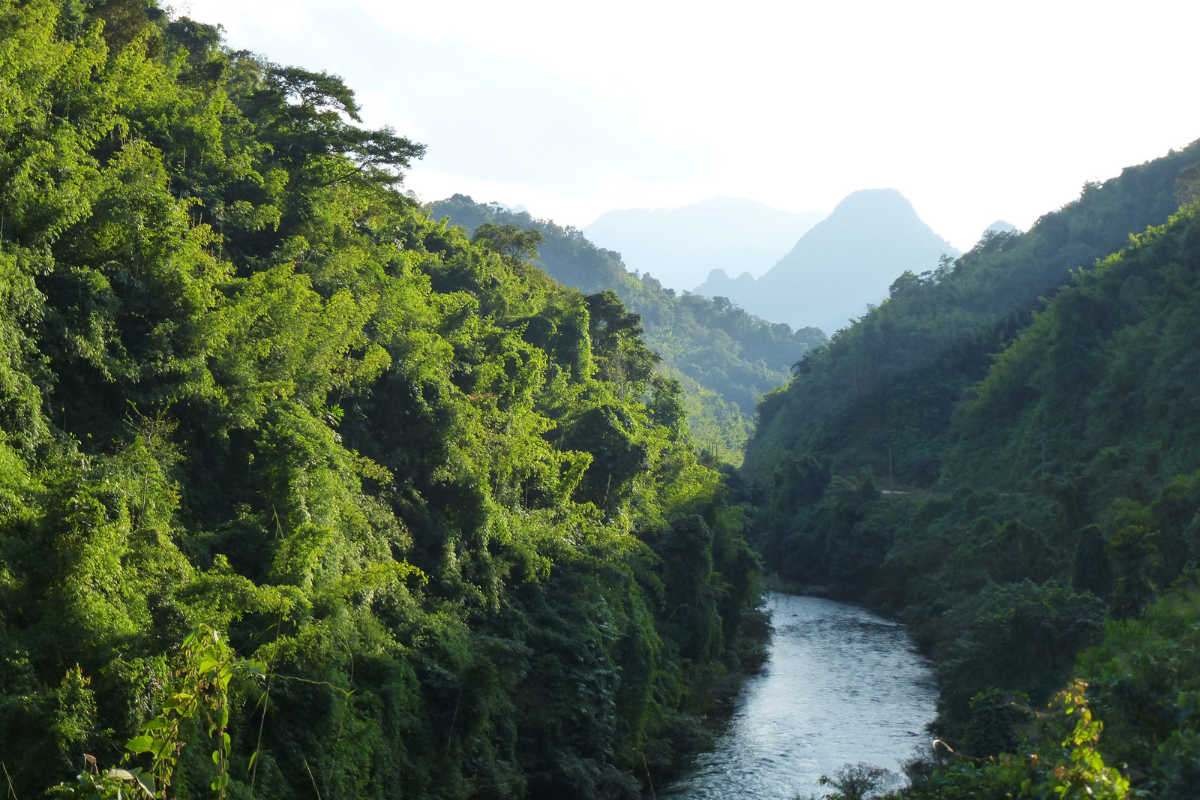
845	262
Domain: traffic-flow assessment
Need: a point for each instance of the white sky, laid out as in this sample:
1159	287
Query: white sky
975	111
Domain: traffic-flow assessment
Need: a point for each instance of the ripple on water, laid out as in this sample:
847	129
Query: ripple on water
840	686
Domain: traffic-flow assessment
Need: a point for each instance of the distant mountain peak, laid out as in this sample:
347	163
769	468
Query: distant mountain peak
1000	226
870	201
843	264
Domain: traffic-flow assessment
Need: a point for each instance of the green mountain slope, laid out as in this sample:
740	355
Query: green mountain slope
301	491
1046	483
883	391
724	357
1113	361
1090	414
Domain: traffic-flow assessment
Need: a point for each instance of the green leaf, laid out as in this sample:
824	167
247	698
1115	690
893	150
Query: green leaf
120	774
140	744
146	781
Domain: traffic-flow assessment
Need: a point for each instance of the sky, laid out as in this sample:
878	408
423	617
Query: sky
975	111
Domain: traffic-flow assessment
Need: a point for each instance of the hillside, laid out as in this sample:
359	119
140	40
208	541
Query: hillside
1041	461
303	493
679	247
891	382
846	262
725	358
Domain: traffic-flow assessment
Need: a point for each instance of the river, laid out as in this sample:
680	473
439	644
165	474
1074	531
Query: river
841	686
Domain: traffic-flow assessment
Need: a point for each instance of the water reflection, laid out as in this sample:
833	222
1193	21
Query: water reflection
841	686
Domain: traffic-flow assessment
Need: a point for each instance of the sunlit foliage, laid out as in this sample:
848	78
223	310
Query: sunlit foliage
246	383
723	358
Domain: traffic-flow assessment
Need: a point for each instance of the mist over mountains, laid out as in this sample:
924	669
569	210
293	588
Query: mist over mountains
841	265
679	247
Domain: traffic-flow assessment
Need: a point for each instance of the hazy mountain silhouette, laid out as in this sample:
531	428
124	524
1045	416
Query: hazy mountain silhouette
680	246
845	262
999	226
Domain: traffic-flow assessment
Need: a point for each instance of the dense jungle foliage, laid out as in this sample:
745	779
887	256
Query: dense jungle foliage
1020	478
724	357
304	493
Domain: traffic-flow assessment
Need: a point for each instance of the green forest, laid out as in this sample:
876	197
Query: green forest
724	358
303	492
310	489
1005	454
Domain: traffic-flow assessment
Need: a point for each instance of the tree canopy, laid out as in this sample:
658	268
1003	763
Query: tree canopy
303	490
723	357
1004	452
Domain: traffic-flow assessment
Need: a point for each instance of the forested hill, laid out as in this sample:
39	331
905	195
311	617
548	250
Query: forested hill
724	357
886	387
1020	478
302	492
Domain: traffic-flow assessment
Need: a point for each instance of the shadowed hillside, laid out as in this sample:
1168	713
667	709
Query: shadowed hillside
1005	452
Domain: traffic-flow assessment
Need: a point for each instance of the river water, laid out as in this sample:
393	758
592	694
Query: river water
841	686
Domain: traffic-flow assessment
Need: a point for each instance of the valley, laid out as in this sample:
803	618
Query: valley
310	485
